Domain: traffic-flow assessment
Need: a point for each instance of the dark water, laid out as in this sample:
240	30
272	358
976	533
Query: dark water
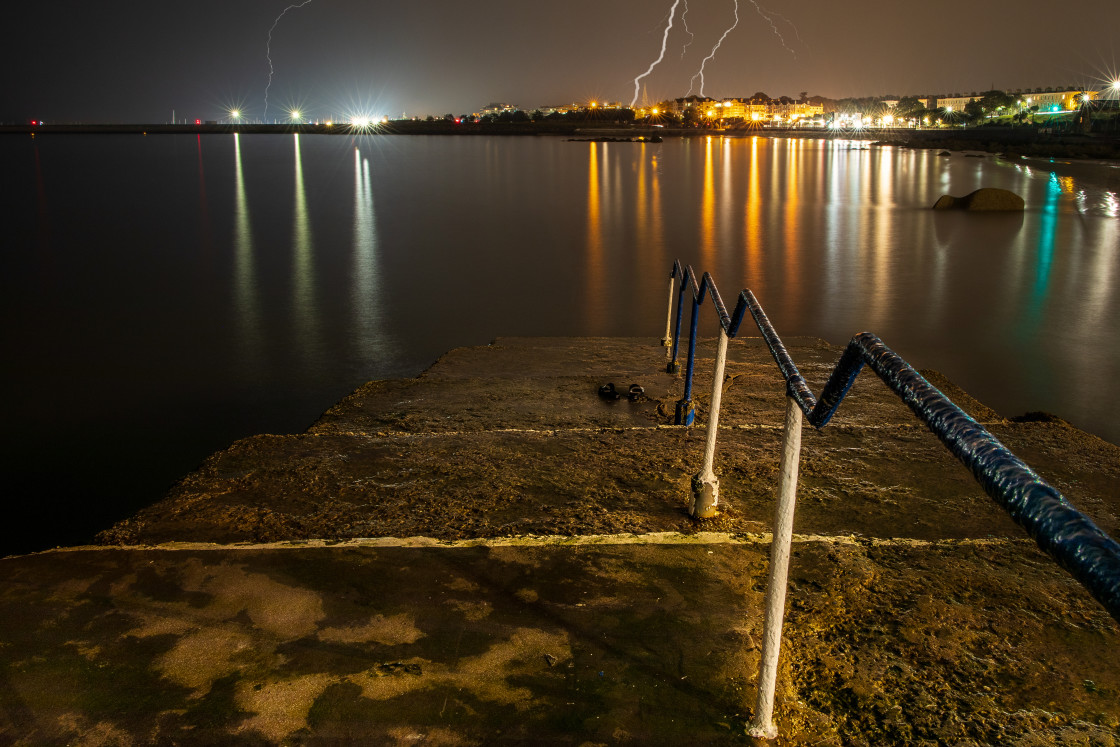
163	296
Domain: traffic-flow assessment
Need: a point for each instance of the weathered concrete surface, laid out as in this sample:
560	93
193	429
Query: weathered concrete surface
918	613
551	643
455	455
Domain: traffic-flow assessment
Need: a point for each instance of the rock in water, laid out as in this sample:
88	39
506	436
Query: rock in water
985	199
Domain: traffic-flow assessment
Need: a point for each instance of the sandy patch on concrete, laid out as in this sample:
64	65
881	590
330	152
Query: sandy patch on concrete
281	708
389	631
200	658
285	611
437	736
473	611
485	676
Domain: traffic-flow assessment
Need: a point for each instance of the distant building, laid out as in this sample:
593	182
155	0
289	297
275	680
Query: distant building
1046	99
795	111
757	110
700	103
956	102
497	109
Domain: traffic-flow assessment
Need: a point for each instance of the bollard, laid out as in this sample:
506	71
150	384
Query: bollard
705	485
762	726
667	340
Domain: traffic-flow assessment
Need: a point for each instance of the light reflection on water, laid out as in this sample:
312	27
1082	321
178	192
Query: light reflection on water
242	285
366	281
246	315
305	311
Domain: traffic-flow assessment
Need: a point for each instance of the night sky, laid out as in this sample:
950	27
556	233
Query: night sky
121	61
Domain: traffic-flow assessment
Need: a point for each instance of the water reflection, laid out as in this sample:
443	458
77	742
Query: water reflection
370	330
657	220
595	304
1110	204
1047	238
44	229
303	270
792	222
203	206
752	232
878	219
727	195
245	291
708	209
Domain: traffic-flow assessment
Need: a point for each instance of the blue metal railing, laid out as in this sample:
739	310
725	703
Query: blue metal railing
1070	537
686	413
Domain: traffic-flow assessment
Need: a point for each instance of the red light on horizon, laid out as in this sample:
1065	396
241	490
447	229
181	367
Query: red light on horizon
198	121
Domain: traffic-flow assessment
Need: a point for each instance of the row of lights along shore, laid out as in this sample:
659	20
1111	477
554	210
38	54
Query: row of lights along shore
296	116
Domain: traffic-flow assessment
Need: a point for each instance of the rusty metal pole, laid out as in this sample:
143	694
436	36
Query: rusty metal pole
705	485
762	725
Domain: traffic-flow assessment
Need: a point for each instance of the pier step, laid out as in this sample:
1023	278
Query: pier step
553	383
584	604
532	449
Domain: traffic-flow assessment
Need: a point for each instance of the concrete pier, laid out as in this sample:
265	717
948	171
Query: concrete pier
492	553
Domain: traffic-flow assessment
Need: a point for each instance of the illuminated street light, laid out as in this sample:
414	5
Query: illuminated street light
297	115
235	115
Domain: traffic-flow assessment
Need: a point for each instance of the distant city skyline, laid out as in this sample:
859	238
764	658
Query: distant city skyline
118	62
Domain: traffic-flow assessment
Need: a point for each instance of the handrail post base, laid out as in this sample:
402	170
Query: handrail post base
674	368
666	342
686	412
705	496
761	732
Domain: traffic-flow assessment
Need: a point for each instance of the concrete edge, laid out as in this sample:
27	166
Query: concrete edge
652	538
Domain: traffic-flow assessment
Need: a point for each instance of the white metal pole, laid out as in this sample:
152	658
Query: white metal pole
667	340
705	486
763	726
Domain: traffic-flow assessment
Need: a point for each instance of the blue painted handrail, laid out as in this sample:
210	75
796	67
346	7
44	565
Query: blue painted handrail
707	287
1070	537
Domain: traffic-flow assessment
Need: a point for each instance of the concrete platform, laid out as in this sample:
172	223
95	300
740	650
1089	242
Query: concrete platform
551	642
549	587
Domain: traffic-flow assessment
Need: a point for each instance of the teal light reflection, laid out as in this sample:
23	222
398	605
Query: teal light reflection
1047	238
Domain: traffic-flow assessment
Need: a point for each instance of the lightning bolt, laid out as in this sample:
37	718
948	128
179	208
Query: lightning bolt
712	54
268	50
664	41
687	30
766	15
786	19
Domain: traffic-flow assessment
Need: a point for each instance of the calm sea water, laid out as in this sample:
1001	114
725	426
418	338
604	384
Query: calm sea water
163	296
